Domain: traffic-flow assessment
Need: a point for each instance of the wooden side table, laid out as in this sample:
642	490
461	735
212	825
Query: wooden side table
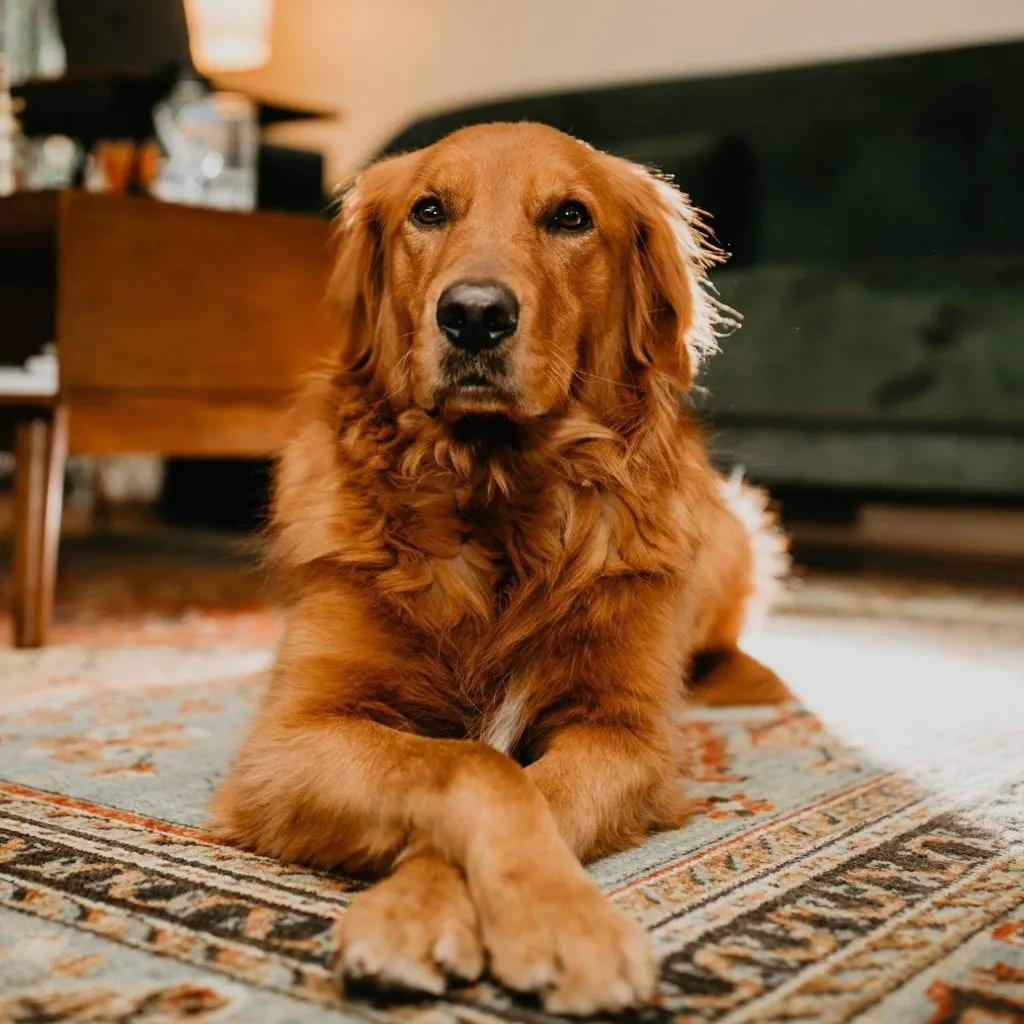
179	331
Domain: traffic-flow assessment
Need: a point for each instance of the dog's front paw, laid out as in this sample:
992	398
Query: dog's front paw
555	934
413	931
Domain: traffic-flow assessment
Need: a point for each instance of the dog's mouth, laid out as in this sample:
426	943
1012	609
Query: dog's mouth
463	399
474	382
476	385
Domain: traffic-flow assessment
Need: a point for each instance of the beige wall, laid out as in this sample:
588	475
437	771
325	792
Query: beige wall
384	62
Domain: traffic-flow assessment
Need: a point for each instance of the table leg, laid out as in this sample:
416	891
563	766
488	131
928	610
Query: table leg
40	455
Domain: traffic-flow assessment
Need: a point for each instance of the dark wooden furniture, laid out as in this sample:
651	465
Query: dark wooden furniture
179	331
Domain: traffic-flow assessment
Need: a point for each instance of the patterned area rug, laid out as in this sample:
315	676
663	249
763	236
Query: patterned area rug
821	880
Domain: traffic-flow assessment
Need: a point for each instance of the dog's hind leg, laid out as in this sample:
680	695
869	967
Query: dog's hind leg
750	560
730	676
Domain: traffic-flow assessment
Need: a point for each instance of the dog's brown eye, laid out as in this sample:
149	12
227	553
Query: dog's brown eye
429	212
570	216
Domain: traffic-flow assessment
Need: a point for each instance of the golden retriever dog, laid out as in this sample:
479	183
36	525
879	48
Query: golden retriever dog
508	553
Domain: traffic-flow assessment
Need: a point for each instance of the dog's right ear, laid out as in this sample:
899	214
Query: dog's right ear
357	284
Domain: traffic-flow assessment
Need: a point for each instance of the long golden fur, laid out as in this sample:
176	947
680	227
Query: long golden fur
506	562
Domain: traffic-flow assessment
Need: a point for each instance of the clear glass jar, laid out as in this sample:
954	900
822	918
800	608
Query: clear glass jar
210	142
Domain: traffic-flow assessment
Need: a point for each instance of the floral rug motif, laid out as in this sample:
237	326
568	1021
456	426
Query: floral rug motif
812	884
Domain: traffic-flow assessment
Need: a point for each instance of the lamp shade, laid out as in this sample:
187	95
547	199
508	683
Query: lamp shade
229	35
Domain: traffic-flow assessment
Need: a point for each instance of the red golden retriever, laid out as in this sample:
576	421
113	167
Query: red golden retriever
508	552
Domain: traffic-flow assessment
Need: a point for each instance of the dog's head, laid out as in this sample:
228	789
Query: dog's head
512	270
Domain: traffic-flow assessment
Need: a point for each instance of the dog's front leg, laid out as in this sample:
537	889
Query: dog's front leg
608	785
605	749
341	790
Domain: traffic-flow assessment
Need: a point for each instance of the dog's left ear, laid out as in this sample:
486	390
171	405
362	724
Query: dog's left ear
675	317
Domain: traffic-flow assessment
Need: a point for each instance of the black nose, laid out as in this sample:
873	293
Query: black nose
477	315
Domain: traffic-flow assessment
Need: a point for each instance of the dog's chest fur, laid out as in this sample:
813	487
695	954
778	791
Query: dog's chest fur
514	547
484	563
473	561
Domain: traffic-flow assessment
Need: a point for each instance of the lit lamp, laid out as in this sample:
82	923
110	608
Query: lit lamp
229	35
